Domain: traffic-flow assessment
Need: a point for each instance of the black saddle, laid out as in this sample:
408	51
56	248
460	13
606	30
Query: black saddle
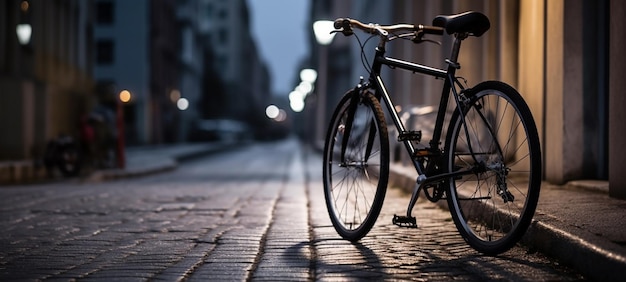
474	23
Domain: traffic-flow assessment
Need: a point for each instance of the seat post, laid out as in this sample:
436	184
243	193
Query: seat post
458	38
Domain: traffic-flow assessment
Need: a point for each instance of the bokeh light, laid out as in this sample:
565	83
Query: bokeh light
272	111
125	96
182	104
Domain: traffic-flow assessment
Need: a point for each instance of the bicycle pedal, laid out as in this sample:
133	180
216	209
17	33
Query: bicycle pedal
404	221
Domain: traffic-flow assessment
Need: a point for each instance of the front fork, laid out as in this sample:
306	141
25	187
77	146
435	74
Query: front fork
354	102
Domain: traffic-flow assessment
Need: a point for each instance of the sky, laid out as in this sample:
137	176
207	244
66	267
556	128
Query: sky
279	29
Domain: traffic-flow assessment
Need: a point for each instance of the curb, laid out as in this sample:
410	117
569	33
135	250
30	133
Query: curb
577	248
592	257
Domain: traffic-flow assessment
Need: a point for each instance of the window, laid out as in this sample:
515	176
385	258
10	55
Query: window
104	51
104	12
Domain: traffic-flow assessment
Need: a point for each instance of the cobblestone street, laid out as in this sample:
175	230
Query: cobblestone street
253	213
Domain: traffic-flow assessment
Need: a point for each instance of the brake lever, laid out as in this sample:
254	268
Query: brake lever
419	38
343	31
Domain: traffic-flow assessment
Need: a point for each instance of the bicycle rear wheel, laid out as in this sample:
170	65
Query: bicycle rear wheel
497	138
355	181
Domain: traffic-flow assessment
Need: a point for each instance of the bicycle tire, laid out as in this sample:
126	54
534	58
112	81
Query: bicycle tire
493	207
355	189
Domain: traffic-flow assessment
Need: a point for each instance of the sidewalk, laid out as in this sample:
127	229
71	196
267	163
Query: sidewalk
577	223
140	161
154	159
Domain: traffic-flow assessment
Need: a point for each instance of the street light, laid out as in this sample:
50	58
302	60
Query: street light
24	32
322	30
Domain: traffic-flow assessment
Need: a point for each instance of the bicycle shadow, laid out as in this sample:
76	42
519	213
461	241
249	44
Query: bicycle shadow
356	261
359	265
479	267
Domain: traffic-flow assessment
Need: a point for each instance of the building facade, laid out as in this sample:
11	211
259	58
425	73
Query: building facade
136	49
193	55
237	61
197	50
45	83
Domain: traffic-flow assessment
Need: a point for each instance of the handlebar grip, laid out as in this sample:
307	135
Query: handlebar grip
432	29
343	24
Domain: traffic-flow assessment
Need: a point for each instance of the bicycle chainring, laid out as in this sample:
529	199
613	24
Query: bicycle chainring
434	192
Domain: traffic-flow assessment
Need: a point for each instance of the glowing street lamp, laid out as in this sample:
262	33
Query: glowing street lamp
24	32
322	30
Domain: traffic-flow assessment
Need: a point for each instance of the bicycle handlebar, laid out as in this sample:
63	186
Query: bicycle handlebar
345	25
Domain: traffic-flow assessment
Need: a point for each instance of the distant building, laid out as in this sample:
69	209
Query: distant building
161	51
246	76
194	52
136	49
45	81
81	53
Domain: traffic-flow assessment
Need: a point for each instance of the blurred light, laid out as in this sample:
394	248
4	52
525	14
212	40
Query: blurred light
182	104
322	30
272	111
282	115
296	105
296	95
24	6
125	96
24	31
308	75
305	87
422	110
175	95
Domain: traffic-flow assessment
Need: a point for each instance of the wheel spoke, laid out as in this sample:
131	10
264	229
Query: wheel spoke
493	207
354	184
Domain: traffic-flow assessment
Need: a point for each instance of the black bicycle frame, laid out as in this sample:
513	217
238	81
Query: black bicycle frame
382	93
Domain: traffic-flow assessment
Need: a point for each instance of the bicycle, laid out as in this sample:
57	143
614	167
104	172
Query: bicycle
488	169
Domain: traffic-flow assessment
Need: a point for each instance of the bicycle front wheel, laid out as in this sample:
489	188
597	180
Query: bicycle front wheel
495	137
356	165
